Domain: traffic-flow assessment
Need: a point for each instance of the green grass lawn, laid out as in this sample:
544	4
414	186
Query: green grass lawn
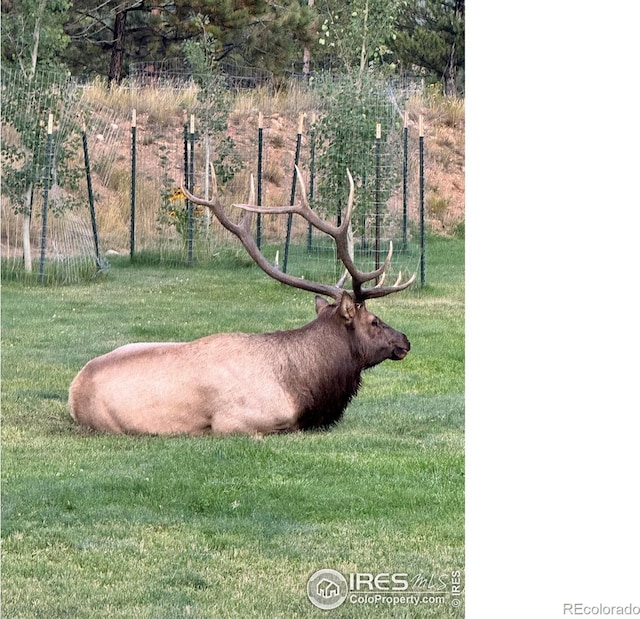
118	526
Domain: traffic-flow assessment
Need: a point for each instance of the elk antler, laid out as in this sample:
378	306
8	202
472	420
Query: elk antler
340	235
243	231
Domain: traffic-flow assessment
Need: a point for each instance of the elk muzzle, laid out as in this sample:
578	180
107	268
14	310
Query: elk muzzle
401	349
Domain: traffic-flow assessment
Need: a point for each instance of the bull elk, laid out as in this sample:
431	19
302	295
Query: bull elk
242	383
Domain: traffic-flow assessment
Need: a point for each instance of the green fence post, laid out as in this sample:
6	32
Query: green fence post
293	193
92	208
259	197
423	236
132	232
378	211
312	175
405	179
191	186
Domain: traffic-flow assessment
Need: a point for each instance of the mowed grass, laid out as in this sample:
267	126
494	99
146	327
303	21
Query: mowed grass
119	526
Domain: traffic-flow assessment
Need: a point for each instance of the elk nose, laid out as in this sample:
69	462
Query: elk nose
405	342
401	351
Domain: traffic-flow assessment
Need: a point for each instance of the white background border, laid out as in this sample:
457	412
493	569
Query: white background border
553	309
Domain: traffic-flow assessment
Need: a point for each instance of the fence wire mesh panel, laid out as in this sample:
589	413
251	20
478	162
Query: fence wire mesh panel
185	123
42	177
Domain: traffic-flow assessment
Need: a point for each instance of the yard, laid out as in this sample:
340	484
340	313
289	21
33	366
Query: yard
95	525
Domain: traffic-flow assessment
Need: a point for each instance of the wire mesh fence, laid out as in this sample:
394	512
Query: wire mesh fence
144	140
178	72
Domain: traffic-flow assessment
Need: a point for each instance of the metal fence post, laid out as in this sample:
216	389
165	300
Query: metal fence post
190	185
132	233
378	206
312	174
259	197
405	179
92	209
423	236
293	193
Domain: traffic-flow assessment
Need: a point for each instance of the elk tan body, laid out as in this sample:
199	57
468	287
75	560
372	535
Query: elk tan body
237	383
155	388
248	383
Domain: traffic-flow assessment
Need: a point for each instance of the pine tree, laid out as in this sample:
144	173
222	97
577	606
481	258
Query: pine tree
107	36
430	35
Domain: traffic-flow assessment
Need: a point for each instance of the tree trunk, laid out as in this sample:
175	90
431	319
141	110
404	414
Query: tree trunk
306	59
28	195
450	73
450	87
116	66
26	226
36	38
363	50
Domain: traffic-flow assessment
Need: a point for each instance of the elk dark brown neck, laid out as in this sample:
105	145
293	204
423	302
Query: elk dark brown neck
321	371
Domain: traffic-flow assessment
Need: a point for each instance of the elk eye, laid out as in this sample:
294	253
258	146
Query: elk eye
375	322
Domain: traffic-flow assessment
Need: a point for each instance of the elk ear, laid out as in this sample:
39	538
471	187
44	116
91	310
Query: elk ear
321	304
347	308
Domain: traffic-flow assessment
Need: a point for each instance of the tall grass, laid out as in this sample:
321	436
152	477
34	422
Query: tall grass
162	104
